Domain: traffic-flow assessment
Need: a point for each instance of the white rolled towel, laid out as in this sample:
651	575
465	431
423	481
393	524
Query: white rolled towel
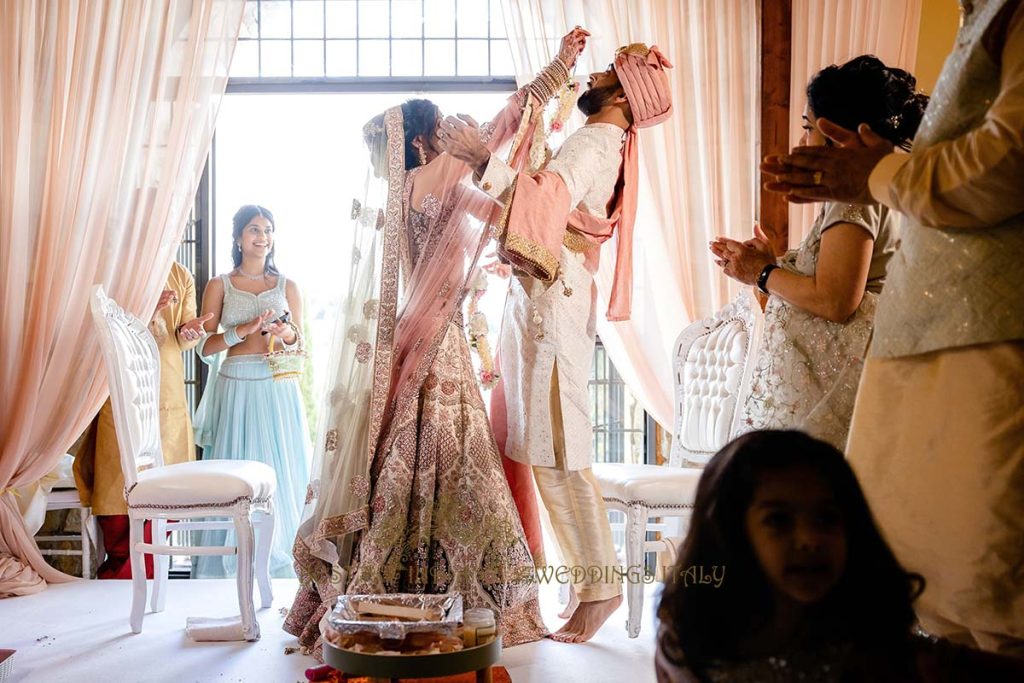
205	629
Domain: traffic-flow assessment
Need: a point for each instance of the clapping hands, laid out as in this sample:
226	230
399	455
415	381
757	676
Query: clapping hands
195	328
743	261
837	173
167	297
255	325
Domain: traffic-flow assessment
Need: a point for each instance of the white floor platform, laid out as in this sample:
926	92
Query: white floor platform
79	633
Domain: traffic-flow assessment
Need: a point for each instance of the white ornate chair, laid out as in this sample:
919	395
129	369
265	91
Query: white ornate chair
64	496
712	365
241	490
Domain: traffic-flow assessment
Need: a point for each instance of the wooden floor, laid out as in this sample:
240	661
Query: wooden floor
79	633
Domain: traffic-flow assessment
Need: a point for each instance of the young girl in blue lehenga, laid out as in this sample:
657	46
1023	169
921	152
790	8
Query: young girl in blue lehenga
248	413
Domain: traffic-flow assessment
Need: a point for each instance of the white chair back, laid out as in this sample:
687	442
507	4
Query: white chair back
713	361
133	372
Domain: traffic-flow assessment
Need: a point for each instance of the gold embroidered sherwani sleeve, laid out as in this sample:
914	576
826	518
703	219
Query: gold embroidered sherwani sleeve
972	181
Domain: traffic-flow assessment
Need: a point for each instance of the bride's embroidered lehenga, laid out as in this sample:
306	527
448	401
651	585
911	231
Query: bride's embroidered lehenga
408	492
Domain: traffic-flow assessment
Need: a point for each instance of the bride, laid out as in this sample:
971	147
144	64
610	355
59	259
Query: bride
408	494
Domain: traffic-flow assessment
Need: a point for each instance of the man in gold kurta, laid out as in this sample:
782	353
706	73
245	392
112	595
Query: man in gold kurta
98	462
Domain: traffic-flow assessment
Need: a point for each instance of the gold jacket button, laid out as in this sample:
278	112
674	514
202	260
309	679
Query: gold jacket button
486	187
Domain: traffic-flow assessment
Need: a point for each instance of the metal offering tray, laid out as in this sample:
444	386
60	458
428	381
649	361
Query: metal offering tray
349	618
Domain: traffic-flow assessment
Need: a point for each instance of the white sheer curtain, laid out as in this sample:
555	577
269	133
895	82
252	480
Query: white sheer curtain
697	170
106	116
832	32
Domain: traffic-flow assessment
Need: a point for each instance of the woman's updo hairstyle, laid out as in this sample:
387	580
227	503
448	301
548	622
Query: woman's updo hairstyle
865	90
419	118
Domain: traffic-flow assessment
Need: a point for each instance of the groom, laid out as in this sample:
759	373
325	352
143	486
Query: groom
553	226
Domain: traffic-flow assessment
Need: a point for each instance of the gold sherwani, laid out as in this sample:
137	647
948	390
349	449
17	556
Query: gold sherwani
937	437
98	463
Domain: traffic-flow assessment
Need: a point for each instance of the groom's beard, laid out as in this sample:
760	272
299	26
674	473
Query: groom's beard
594	99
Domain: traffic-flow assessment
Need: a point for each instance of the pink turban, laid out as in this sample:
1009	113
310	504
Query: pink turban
641	71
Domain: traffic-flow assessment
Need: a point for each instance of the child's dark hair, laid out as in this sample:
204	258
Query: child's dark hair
870	605
419	117
238	223
865	90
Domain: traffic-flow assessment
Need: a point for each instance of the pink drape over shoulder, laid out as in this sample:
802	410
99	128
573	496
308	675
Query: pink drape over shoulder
540	219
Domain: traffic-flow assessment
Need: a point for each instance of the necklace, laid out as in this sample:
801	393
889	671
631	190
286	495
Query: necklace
239	273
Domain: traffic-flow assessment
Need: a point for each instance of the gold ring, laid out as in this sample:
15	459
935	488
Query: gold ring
817	177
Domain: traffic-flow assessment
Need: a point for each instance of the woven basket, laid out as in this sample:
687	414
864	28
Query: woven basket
285	364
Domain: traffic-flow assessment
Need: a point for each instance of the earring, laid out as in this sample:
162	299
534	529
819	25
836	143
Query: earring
422	155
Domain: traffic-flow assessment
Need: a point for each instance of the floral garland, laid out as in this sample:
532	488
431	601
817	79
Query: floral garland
566	101
478	332
540	152
539	155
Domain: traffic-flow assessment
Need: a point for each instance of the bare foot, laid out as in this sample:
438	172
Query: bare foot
586	620
571	606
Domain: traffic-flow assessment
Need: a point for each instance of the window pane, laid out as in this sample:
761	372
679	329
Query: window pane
619	421
439	18
472	18
501	59
341	18
407	58
341	58
309	58
373	19
250	25
308	18
472	57
276	58
406	19
440	58
246	60
497	21
373	58
275	19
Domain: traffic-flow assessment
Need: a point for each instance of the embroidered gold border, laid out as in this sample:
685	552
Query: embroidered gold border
501	227
390	259
638	49
340	525
531	257
576	242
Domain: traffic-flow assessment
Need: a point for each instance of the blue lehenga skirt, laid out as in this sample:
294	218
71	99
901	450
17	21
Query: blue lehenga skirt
250	416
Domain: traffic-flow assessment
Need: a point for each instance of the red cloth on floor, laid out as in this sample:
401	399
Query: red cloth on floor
519	477
117	564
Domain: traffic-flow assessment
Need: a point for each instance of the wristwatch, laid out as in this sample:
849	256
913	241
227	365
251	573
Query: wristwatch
762	279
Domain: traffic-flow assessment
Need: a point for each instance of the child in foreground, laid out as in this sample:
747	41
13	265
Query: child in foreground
811	593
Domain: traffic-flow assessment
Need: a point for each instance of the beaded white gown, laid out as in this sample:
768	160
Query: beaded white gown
808	368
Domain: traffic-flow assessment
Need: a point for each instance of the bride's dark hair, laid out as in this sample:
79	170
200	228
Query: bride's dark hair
419	118
865	90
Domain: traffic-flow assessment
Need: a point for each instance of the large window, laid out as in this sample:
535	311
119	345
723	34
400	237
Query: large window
622	429
372	39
